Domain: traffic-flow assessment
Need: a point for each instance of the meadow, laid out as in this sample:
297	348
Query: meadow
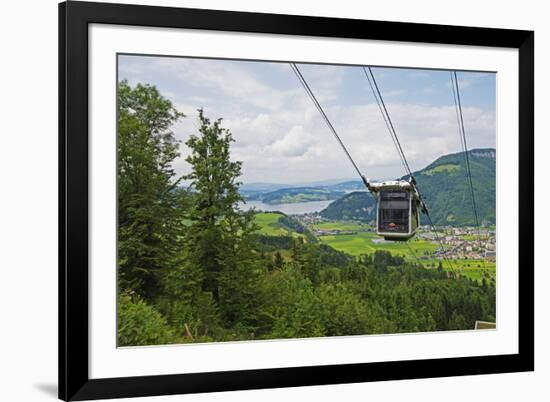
369	242
269	225
343	225
365	241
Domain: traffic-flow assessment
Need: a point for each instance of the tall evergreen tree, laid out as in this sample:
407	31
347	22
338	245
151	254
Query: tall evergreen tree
149	213
221	238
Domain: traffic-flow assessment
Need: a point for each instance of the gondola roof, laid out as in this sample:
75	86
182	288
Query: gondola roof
391	185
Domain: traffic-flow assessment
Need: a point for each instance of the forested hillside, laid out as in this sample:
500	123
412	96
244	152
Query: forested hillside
359	205
445	189
192	267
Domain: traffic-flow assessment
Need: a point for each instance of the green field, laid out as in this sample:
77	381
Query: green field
362	243
473	269
442	168
343	225
476	269
269	225
365	242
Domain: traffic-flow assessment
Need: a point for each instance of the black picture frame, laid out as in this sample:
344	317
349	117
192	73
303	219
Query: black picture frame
74	18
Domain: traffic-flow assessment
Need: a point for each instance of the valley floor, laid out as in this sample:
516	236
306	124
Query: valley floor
464	255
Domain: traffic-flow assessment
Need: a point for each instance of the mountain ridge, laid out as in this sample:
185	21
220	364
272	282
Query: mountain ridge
296	195
445	188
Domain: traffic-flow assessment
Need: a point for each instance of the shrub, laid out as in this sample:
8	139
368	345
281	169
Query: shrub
140	324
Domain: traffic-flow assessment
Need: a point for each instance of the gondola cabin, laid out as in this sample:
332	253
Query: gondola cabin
398	205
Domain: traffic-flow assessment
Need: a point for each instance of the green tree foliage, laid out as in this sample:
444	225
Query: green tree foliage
221	239
290	308
190	311
140	324
279	261
344	312
446	191
273	243
357	205
149	207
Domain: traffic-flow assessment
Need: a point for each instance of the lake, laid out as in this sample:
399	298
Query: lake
288	209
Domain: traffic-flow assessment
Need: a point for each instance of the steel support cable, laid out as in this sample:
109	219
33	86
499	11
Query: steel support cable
393	134
457	115
467	188
392	128
385	119
462	138
438	239
327	121
458	105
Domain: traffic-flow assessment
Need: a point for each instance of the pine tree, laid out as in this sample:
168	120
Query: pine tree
149	203
221	239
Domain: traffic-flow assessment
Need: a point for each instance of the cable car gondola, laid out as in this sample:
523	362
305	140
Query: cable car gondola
398	202
398	205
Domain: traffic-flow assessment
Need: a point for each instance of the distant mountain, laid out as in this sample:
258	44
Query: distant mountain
358	205
322	183
349	185
299	194
445	189
266	187
254	190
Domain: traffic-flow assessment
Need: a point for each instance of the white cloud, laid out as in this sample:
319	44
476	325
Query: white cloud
280	136
295	143
229	80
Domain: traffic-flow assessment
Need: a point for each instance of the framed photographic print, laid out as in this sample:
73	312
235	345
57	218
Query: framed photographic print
257	200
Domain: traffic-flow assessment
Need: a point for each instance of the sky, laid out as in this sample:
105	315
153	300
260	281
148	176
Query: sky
280	136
